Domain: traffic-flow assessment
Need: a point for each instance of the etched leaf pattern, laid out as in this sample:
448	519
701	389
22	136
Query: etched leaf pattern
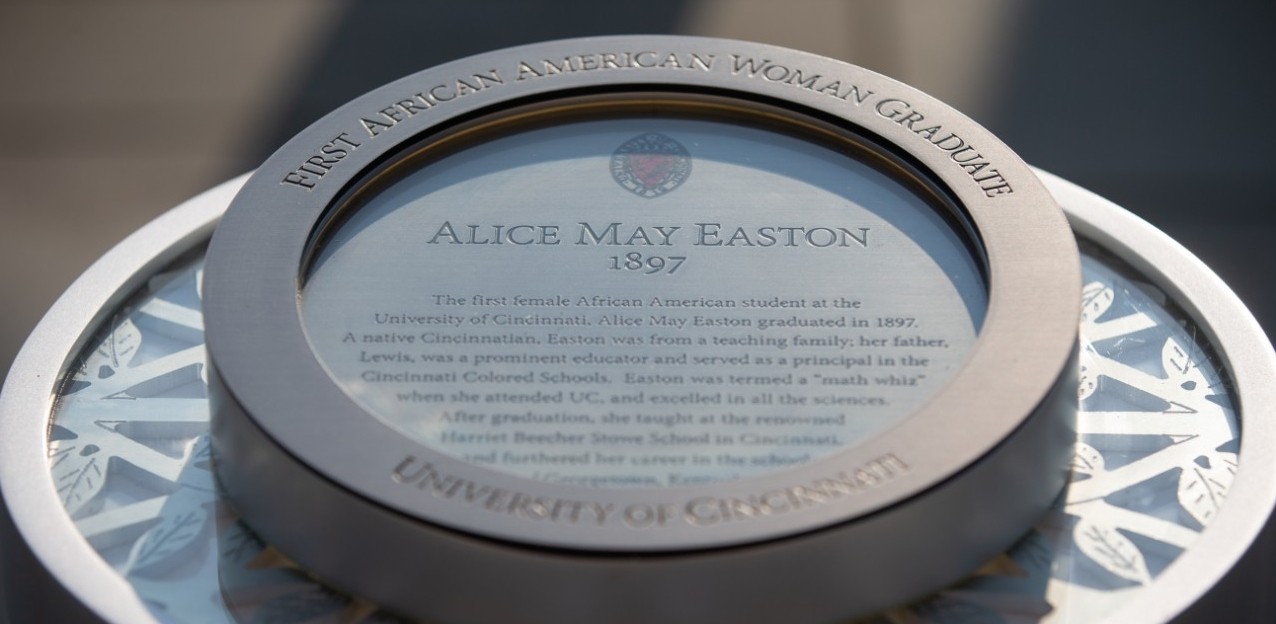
1087	460
1183	376
239	546
1112	550
1087	372
1204	483
172	539
113	353
79	472
1096	299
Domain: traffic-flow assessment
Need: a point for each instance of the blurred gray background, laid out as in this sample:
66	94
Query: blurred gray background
112	112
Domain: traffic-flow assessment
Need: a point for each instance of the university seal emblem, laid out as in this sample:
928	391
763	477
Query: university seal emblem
650	164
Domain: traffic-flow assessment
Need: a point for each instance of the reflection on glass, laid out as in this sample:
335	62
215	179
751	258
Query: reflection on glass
128	452
1156	455
643	302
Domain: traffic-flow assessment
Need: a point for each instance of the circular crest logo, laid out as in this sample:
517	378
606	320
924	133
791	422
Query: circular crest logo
650	164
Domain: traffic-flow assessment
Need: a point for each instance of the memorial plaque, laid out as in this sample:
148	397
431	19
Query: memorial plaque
521	306
672	312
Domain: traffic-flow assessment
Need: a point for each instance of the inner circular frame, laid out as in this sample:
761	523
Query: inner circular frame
889	172
264	364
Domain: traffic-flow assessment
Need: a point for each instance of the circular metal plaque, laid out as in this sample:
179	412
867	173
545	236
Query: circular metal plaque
519	314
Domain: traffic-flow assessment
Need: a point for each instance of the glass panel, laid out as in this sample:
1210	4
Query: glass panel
1156	455
644	302
128	452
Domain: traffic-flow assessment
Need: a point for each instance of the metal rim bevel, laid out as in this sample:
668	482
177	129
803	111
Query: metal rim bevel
27	402
1250	363
999	433
258	347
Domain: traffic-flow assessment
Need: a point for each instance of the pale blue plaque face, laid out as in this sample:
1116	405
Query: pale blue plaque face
644	302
